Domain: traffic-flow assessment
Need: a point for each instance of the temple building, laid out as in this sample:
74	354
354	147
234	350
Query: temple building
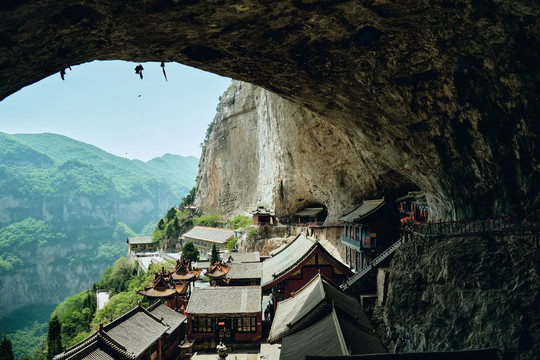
231	314
262	216
311	216
322	320
216	273
183	276
161	288
368	230
296	264
204	237
177	327
137	334
141	244
97	346
244	274
413	207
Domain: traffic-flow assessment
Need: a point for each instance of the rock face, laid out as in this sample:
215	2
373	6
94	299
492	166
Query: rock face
47	279
265	150
466	293
444	93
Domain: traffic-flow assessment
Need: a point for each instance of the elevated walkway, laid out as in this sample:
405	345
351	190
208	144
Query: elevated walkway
353	280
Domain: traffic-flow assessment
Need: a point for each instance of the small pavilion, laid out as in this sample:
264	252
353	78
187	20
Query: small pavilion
262	216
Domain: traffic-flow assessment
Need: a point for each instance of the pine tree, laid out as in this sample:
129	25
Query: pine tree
189	251
54	338
215	255
6	352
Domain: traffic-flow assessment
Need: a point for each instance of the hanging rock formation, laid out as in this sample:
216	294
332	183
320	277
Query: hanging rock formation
444	93
265	150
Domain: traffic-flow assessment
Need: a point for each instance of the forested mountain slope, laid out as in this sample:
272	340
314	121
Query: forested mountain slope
66	208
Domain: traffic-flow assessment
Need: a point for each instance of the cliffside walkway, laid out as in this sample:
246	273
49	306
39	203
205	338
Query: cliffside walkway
527	223
512	224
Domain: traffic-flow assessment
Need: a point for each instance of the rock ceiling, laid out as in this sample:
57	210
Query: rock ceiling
444	92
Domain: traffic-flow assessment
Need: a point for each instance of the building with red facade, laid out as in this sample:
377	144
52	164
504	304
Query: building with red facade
294	265
228	314
368	230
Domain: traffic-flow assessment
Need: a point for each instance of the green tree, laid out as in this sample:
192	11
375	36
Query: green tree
170	214
214	257
161	224
122	272
188	199
231	244
54	338
189	251
6	353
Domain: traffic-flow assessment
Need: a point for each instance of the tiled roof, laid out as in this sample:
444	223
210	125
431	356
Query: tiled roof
288	256
157	293
136	330
367	208
484	354
359	339
322	338
225	300
309	211
98	346
184	271
290	311
242	257
216	235
161	287
245	271
139	240
311	301
219	270
167	315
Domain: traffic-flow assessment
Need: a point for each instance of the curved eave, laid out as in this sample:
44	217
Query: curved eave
301	262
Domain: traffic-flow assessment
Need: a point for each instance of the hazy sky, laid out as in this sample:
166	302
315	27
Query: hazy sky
104	103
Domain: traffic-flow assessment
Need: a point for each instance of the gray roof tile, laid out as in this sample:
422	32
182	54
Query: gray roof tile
367	208
170	317
287	257
242	257
216	235
245	271
322	338
225	300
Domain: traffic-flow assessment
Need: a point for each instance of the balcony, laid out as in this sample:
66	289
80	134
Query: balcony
357	244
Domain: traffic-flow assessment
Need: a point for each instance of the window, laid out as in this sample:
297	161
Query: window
247	324
202	324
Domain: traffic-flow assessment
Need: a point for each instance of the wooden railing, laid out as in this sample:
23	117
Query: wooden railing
510	223
374	263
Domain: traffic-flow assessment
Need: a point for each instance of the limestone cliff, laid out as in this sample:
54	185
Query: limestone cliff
264	149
